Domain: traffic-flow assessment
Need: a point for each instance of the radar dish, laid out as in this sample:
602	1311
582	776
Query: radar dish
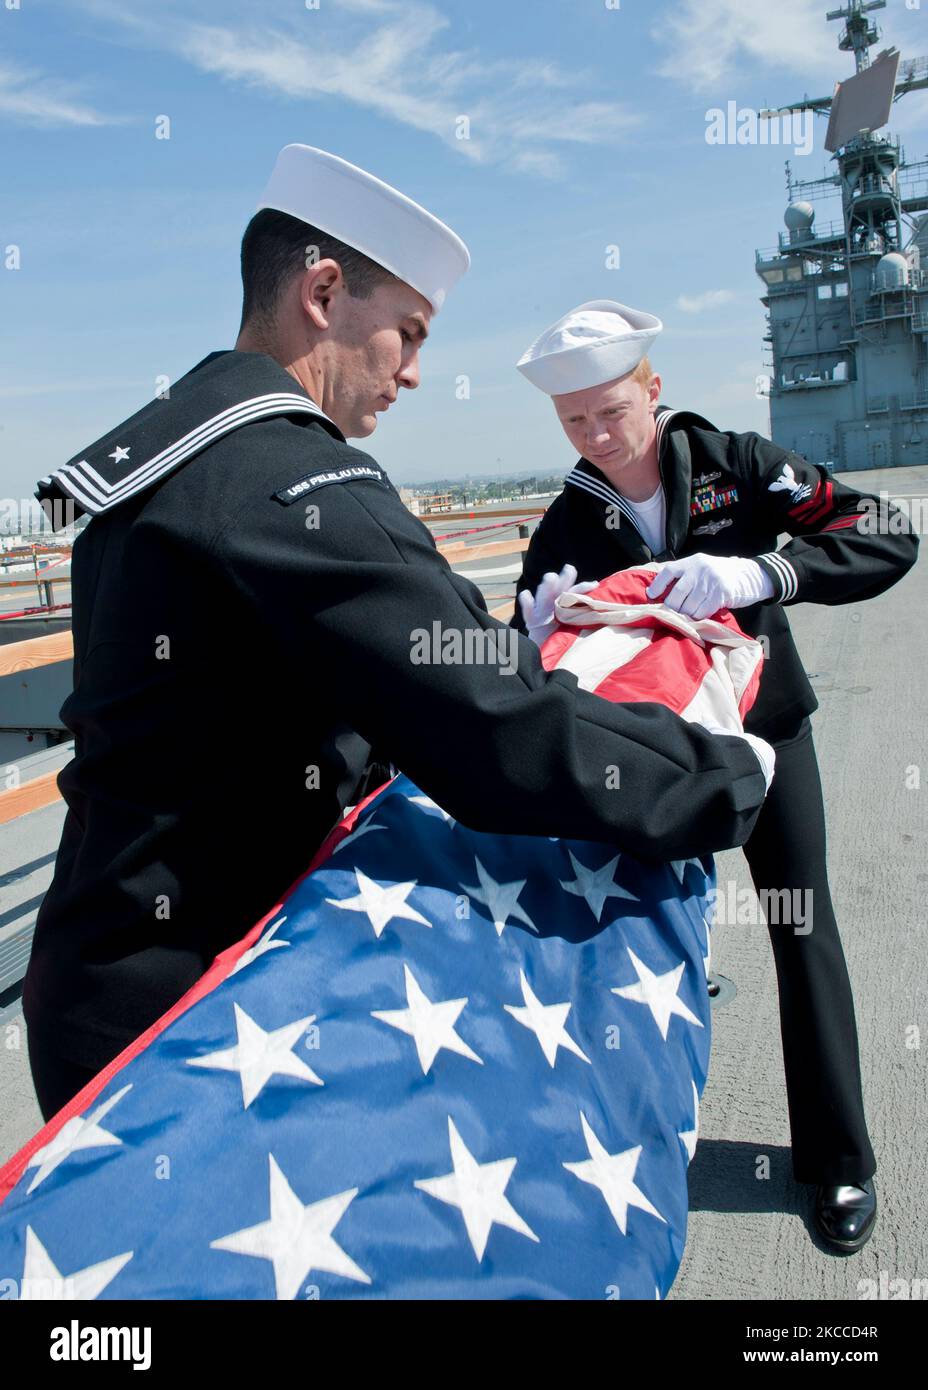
799	217
864	101
892	272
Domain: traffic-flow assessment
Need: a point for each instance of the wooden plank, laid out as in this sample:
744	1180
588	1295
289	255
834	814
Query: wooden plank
36	651
458	550
20	553
30	796
43	578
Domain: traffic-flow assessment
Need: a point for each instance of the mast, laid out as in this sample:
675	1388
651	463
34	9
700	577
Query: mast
848	300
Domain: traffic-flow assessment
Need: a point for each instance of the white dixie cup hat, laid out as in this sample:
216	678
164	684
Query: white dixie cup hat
370	216
597	342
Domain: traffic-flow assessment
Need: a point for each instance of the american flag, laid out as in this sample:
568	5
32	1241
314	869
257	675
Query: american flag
447	1065
623	646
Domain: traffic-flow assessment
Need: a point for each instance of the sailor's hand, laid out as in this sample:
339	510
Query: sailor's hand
702	584
538	611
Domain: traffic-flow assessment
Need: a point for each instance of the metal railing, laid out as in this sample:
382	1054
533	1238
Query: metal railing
45	589
808	383
830	231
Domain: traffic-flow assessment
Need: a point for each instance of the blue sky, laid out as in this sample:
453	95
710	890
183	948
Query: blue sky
587	125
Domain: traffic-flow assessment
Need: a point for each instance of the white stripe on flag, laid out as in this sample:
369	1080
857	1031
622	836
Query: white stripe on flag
598	652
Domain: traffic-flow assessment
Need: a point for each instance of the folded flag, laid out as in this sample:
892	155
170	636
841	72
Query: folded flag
622	645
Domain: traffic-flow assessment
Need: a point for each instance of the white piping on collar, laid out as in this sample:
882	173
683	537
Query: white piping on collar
604	490
82	481
662	421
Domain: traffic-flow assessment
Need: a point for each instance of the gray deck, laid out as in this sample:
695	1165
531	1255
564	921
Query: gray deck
748	1238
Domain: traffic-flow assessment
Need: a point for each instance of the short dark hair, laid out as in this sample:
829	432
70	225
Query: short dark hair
276	247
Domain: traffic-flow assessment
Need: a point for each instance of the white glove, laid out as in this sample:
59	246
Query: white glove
763	751
706	583
765	755
538	612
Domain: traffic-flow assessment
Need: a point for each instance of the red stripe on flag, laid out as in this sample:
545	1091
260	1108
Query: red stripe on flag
558	644
670	671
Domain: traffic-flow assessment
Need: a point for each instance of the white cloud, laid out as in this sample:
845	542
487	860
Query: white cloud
705	41
32	98
395	58
709	299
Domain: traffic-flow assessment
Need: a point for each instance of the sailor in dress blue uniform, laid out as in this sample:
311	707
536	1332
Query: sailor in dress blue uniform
246	599
655	483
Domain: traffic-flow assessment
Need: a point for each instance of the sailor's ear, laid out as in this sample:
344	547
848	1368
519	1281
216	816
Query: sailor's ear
318	286
654	392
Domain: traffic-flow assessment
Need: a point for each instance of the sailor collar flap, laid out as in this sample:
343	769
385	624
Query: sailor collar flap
676	472
224	391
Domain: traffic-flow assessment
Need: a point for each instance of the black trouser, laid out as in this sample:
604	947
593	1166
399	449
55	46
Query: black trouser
786	850
55	1078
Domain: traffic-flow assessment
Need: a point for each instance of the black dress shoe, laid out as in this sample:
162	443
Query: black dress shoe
845	1215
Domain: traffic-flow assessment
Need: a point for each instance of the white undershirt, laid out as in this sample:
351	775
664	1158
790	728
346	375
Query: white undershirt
650	517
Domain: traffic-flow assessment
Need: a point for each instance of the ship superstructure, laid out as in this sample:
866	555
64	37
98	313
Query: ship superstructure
847	298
